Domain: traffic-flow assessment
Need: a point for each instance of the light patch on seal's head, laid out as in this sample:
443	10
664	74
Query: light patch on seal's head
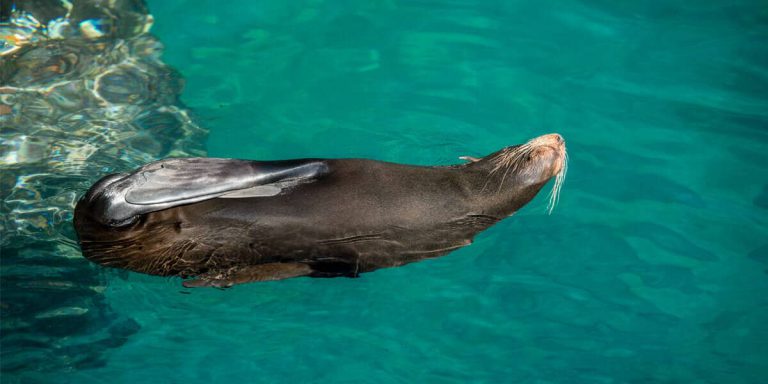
529	163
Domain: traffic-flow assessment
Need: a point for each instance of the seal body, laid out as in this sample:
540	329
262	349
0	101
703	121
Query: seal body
232	221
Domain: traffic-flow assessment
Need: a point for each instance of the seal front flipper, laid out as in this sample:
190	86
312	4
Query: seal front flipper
241	275
118	199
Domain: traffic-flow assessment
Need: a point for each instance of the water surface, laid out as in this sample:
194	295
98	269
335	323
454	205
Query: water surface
652	268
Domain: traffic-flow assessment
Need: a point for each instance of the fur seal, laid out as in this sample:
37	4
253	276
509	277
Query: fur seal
227	222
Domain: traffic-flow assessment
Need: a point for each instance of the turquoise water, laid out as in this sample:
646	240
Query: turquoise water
653	268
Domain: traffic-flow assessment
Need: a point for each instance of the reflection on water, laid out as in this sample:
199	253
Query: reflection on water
83	92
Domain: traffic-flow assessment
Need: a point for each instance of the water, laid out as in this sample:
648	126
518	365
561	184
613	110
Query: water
651	269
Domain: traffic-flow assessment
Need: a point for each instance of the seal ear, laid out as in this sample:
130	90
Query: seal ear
172	182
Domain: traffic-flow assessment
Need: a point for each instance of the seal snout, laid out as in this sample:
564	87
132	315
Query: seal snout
553	139
549	149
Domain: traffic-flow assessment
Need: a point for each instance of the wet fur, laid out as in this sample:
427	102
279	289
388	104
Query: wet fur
361	216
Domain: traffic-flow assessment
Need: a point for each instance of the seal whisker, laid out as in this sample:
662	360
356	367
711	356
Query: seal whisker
504	159
503	177
510	157
512	162
554	194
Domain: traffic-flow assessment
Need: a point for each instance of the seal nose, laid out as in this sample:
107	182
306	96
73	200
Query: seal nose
550	139
555	137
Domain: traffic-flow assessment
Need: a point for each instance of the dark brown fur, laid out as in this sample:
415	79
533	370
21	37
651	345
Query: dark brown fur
363	215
